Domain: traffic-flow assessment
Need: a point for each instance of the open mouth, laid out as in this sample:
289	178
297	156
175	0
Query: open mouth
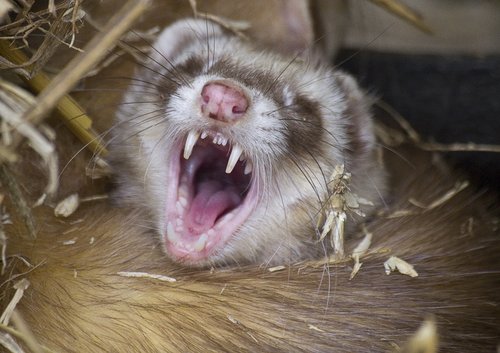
211	194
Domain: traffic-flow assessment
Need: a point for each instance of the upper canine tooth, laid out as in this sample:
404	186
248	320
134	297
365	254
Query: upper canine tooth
204	135
190	142
233	158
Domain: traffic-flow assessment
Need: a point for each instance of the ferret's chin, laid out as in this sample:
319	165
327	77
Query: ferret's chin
211	193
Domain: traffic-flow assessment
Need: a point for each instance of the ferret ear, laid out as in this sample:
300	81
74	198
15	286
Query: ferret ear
358	108
178	35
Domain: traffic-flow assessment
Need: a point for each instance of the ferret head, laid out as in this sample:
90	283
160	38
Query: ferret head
231	148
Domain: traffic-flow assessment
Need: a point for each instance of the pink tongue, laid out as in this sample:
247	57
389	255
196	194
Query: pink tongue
209	203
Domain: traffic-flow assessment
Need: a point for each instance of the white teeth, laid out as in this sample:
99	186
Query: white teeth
201	242
190	141
171	234
183	191
183	201
248	167
179	208
233	158
219	139
222	222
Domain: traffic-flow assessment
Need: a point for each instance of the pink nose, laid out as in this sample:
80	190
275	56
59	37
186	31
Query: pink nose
222	102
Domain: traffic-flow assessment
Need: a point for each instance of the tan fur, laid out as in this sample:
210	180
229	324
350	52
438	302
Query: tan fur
77	302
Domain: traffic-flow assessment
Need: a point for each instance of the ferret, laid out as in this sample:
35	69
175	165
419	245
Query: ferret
231	148
266	133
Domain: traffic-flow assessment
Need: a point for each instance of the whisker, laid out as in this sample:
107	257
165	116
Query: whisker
275	81
172	70
366	46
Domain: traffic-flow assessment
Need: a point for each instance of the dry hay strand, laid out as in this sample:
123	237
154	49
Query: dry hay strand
403	11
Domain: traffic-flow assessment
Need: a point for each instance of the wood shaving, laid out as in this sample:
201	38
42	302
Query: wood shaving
70	241
314	328
359	251
363	245
401	265
355	268
68	206
20	286
402	213
40	201
100	169
276	268
146	275
233	320
252	337
425	340
94	198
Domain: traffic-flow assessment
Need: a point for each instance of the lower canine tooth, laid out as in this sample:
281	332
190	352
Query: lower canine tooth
233	158
201	242
248	167
190	142
171	234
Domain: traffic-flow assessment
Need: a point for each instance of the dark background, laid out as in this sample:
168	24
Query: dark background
447	99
